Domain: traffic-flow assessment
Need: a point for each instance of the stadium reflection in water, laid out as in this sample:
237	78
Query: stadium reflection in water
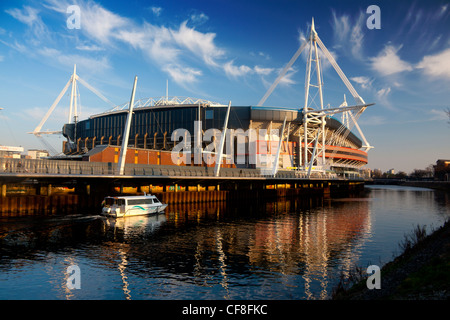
289	249
224	247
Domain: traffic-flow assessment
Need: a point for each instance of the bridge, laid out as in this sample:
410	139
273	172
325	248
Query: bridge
28	185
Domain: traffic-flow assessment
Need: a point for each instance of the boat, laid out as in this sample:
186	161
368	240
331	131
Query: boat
125	206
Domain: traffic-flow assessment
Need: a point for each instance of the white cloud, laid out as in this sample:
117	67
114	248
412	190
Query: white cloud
262	71
199	18
438	115
260	54
89	48
180	52
235	71
156	11
31	18
28	15
201	44
347	33
68	60
100	23
382	93
388	62
183	75
287	79
436	66
341	26
364	82
357	36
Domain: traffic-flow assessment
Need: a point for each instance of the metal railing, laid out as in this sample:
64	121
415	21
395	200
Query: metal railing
63	167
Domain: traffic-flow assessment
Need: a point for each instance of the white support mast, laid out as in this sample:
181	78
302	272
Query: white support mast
222	143
313	123
277	156
314	115
73	102
73	81
126	134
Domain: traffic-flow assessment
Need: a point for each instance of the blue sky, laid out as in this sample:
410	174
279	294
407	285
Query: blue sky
233	51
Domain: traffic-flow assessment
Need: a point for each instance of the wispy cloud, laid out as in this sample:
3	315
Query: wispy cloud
349	31
171	49
438	115
182	75
437	65
68	60
363	81
198	43
199	18
236	71
388	62
93	47
156	11
263	71
372	120
30	17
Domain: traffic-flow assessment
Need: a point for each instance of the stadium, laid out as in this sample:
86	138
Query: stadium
155	120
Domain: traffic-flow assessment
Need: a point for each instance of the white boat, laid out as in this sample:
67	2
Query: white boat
125	206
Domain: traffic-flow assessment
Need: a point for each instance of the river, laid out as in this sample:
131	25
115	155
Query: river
283	250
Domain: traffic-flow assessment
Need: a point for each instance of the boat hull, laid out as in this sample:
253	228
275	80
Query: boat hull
135	211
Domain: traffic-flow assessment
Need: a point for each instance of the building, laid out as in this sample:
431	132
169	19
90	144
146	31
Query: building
10	152
442	170
155	122
36	154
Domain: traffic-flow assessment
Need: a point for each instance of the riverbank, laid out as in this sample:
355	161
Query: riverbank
421	272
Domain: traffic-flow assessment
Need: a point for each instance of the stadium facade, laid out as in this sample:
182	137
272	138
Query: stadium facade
155	120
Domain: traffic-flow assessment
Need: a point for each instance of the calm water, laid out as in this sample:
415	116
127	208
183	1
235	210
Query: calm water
275	250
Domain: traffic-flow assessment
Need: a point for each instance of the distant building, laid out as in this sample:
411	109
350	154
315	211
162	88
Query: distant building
390	171
10	152
442	170
376	173
35	154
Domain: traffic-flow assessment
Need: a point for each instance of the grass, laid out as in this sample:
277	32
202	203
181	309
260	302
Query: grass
418	273
414	238
431	277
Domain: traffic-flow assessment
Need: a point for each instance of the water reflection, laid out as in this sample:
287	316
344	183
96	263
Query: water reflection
288	249
132	227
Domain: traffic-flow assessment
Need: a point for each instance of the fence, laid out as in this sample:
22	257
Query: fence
66	167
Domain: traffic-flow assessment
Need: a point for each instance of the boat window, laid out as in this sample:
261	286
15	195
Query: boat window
109	202
139	201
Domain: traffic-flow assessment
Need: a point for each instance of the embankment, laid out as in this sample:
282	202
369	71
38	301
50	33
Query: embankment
421	272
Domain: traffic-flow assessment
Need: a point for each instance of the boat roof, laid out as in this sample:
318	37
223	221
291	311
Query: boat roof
132	197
